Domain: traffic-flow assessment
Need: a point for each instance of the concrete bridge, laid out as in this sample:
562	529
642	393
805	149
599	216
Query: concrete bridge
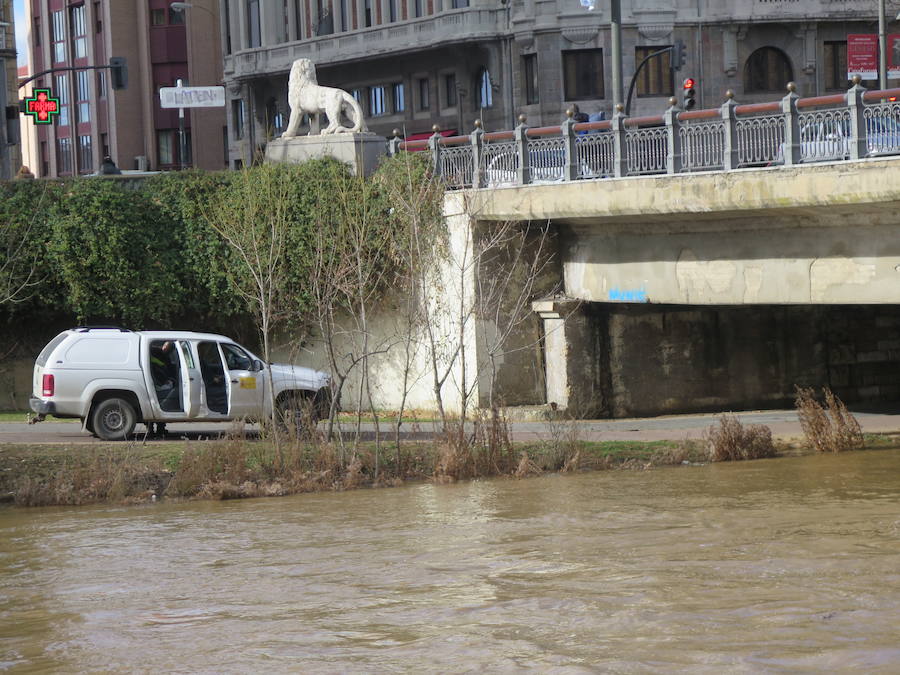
706	290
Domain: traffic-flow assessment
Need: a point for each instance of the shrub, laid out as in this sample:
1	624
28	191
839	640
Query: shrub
828	428
732	441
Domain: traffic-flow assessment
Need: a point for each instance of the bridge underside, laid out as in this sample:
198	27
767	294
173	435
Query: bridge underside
714	291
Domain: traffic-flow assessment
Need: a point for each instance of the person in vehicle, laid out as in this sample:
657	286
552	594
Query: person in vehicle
164	371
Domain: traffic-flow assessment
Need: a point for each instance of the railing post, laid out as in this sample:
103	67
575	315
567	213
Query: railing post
620	159
730	155
673	137
859	141
434	142
791	126
394	144
567	129
524	171
477	138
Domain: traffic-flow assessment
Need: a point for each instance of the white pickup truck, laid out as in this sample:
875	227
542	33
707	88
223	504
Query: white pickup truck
113	378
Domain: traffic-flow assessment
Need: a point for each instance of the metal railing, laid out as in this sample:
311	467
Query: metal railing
794	130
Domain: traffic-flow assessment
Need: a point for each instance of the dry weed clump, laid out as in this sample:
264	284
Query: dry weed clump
732	441
673	454
526	467
564	441
828	428
487	452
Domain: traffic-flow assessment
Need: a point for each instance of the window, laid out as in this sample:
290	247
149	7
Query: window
101	84
656	76
59	37
225	145
104	144
236	358
767	70
835	66
422	86
485	91
326	21
76	16
157	17
583	74
176	18
530	72
63	155
399	96
254	38
62	93
418	8
36	32
345	20
45	162
357	95
98	17
85	157
237	118
376	100
226	7
368	8
459	4
165	145
449	90
393	11
83	95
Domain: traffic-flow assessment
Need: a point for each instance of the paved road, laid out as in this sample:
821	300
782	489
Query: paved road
674	427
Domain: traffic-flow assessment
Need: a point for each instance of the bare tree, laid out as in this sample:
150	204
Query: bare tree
254	220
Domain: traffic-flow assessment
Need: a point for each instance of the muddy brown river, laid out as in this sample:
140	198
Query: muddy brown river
787	565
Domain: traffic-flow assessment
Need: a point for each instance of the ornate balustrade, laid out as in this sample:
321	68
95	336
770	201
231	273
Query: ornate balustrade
791	131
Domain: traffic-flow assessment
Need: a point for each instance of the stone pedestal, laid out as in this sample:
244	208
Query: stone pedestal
361	151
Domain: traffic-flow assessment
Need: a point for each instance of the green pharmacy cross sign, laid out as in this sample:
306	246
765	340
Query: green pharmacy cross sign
42	106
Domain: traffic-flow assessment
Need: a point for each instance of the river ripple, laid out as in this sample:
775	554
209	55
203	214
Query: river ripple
766	566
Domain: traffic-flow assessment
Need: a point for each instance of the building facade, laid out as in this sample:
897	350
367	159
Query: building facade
10	151
161	45
416	63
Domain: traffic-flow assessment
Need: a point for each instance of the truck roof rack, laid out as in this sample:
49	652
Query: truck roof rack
87	329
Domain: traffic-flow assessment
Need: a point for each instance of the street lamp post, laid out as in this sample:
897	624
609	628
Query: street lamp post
882	47
615	27
615	45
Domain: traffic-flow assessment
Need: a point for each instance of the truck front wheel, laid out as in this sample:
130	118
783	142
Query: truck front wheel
113	419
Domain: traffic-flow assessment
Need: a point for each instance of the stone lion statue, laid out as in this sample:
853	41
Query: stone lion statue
305	95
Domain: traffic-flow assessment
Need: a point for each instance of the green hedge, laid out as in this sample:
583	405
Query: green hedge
105	252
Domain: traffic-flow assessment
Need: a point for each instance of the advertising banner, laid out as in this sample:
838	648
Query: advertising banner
862	56
893	56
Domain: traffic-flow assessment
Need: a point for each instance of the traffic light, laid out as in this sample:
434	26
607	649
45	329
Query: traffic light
688	93
118	72
679	55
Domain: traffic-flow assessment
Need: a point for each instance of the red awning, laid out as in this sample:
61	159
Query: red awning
426	136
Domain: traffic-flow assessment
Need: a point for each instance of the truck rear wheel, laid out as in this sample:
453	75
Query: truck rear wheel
113	419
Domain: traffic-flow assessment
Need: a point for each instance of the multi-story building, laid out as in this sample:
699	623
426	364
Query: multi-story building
161	44
415	63
10	156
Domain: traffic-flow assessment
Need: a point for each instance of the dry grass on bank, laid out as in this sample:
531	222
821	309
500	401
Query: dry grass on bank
43	475
732	441
828	428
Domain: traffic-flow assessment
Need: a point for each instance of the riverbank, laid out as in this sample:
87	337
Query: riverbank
58	474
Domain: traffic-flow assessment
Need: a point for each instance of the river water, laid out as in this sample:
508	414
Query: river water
766	566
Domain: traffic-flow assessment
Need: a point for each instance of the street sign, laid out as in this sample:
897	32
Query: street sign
862	56
192	97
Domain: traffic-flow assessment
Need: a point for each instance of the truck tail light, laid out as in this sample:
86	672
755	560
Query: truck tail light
49	385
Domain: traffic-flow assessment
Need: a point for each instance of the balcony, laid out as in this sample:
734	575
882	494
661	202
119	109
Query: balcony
450	27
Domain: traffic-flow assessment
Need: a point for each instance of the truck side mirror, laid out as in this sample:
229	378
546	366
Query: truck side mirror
257	365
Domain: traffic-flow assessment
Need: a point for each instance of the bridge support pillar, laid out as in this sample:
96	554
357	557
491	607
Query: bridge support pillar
569	359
